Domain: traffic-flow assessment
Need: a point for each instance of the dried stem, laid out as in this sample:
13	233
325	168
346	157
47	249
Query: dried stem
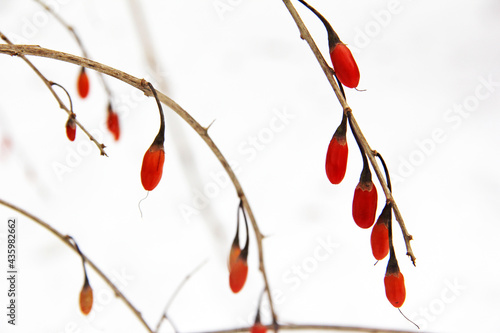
78	41
34	50
68	241
14	51
304	34
176	292
160	137
67	94
148	46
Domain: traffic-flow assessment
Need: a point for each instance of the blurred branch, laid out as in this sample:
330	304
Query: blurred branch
141	84
190	167
174	295
68	241
304	34
15	52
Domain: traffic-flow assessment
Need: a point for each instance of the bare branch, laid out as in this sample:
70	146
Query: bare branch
202	132
304	34
176	292
67	240
48	83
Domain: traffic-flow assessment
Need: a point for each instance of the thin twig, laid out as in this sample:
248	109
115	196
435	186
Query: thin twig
304	34
72	30
67	240
16	52
67	94
148	46
174	295
35	50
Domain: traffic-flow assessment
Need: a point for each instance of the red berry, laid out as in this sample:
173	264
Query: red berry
113	124
86	299
336	155
364	204
152	166
380	241
71	128
344	65
380	234
258	328
395	288
336	159
83	84
238	275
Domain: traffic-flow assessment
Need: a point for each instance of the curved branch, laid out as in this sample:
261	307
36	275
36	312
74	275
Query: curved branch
67	240
141	84
48	83
304	34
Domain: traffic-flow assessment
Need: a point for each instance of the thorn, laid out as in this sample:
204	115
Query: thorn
266	236
206	128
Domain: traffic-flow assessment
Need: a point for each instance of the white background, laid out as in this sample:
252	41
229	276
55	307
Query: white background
242	64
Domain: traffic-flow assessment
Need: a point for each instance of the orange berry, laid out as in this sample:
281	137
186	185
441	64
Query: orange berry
86	298
233	256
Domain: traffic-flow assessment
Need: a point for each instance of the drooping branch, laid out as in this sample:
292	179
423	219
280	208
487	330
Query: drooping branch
75	35
371	154
68	241
49	84
141	84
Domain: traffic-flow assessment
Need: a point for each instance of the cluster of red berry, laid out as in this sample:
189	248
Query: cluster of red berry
83	88
364	204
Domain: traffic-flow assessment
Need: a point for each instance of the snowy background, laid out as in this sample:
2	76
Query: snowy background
432	80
